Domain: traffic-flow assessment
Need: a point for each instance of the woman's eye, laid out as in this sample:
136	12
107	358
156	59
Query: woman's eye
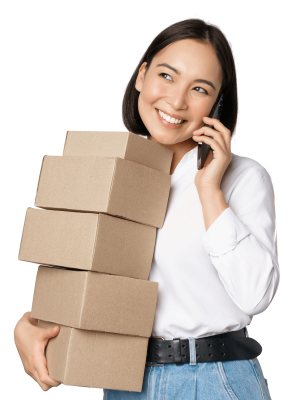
204	91
168	77
165	75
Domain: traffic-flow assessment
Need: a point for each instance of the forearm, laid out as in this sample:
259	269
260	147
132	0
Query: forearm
213	205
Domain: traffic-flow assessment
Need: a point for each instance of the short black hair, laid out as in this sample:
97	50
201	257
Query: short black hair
188	29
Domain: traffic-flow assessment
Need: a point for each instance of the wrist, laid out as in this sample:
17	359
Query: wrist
213	204
209	194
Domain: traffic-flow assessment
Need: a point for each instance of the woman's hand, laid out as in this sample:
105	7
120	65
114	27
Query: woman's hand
210	176
31	341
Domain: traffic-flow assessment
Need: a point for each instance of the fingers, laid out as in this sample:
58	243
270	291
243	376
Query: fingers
31	342
43	386
199	135
219	132
48	333
42	373
212	143
37	369
217	125
40	362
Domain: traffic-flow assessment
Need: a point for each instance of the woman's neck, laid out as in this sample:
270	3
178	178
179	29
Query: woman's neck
179	150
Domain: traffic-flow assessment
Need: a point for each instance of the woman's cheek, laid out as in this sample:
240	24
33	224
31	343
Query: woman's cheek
153	91
201	111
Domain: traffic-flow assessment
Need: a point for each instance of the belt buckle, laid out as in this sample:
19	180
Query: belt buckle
155	365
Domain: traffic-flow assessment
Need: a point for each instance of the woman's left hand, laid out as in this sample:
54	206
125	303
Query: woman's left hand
210	176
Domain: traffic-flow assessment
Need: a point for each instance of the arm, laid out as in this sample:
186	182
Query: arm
240	239
242	242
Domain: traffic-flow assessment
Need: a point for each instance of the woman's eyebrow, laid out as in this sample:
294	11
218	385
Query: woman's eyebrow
178	73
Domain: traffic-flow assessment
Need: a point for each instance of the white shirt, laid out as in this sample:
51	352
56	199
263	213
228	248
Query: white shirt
215	281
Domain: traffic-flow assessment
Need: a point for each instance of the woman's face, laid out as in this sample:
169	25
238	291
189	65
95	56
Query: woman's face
174	86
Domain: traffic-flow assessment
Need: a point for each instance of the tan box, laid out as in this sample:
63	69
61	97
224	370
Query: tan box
96	359
104	185
94	301
126	145
94	242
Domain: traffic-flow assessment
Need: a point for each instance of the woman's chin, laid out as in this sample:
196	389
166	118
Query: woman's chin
163	139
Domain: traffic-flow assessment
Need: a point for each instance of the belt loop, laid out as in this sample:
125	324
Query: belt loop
177	352
192	351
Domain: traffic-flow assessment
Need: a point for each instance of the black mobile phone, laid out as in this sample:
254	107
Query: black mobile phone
203	148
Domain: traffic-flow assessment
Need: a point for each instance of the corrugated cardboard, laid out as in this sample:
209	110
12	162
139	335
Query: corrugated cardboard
94	301
96	359
125	145
109	185
94	242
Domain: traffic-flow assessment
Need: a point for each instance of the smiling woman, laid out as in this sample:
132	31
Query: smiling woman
215	262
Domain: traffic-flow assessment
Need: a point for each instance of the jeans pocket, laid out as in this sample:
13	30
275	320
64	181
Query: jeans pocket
225	381
243	381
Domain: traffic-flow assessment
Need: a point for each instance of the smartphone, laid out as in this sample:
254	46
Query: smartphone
203	148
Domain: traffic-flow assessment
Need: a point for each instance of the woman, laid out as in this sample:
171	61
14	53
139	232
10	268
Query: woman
215	257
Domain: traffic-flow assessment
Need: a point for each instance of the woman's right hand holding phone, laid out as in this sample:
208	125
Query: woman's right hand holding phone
31	341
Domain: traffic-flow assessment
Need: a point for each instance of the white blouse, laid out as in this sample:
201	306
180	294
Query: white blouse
215	281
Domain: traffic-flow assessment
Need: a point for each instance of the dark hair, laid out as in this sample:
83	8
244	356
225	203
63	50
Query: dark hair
204	33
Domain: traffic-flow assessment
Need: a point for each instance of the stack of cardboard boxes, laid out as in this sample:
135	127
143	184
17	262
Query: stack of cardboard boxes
95	233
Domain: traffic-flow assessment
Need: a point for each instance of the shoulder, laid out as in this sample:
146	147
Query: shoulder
244	172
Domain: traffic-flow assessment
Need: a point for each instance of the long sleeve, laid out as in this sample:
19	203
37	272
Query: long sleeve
242	242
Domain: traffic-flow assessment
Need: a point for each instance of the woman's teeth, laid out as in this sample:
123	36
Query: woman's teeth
169	119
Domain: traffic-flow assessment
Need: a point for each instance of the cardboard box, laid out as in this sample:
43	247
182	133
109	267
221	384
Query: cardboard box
94	301
126	145
96	359
94	242
104	185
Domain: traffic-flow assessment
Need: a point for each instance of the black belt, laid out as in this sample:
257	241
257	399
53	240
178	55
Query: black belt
229	346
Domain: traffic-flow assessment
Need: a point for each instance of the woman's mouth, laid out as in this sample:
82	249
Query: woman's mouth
169	121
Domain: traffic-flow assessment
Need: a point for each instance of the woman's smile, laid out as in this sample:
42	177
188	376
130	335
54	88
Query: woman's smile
168	120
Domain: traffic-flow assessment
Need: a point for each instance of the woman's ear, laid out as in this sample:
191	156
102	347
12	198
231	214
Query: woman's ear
140	77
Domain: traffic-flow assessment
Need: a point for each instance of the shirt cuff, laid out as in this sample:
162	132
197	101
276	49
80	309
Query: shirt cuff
224	234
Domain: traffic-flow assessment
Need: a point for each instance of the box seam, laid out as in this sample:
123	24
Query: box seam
83	298
95	241
67	356
65	143
112	182
39	181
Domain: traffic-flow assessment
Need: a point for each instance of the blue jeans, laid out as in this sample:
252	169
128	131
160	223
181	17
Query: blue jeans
226	380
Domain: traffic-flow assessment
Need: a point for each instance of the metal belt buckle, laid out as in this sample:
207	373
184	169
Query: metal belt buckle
155	365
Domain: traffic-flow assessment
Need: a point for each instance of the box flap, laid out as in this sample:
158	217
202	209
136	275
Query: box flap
126	145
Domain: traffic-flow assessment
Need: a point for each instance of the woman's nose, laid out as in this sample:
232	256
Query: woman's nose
178	99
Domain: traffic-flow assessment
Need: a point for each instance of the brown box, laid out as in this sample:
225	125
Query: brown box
125	145
94	242
94	301
108	185
96	359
